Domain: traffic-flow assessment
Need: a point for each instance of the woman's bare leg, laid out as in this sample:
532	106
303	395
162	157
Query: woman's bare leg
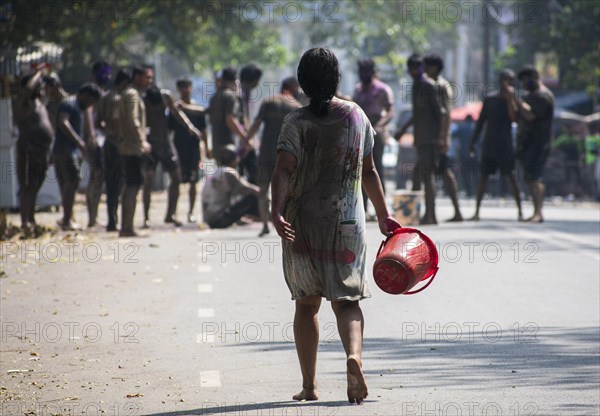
306	336
351	325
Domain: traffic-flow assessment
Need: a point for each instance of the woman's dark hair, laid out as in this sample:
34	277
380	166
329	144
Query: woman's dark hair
319	76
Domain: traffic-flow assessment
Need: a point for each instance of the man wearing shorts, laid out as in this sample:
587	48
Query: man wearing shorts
536	112
187	141
69	147
497	114
133	143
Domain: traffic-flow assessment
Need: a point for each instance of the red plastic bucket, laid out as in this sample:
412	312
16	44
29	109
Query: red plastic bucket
404	259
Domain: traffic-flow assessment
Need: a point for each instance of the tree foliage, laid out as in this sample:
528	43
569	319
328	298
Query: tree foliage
203	34
382	29
568	28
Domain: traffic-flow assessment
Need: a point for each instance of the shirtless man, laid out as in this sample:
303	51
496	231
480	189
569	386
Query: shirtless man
187	142
430	131
101	74
434	65
69	146
225	113
157	102
497	114
536	113
33	144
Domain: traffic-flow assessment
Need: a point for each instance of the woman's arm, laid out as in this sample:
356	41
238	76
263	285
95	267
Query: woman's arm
285	166
372	185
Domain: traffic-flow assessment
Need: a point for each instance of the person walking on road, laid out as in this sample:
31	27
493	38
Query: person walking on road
497	114
324	156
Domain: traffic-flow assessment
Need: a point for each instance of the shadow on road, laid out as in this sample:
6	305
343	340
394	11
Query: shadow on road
295	408
528	356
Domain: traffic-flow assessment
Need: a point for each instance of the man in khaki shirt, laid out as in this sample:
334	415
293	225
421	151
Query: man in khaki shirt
107	119
133	143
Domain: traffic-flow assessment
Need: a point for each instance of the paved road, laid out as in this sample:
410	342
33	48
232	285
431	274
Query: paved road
189	322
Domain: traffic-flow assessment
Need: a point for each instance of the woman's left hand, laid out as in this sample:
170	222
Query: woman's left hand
388	224
284	228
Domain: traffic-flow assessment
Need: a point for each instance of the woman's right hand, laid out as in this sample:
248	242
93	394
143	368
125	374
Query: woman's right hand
284	228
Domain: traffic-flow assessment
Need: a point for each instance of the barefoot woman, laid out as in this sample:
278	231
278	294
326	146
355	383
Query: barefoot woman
324	155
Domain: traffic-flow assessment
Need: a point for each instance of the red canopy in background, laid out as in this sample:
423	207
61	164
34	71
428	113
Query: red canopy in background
472	109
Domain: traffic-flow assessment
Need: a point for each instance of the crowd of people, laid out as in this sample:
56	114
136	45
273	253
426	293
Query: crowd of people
143	125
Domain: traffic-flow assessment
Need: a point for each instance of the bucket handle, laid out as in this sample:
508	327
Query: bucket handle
397	231
390	235
426	285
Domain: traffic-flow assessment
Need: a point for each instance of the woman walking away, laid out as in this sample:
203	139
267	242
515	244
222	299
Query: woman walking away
324	156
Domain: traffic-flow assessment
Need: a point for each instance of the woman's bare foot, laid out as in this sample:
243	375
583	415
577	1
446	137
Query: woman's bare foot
307	394
357	386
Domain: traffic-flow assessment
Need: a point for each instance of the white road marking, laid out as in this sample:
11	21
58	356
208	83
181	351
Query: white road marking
205	338
205	288
204	268
206	313
210	379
